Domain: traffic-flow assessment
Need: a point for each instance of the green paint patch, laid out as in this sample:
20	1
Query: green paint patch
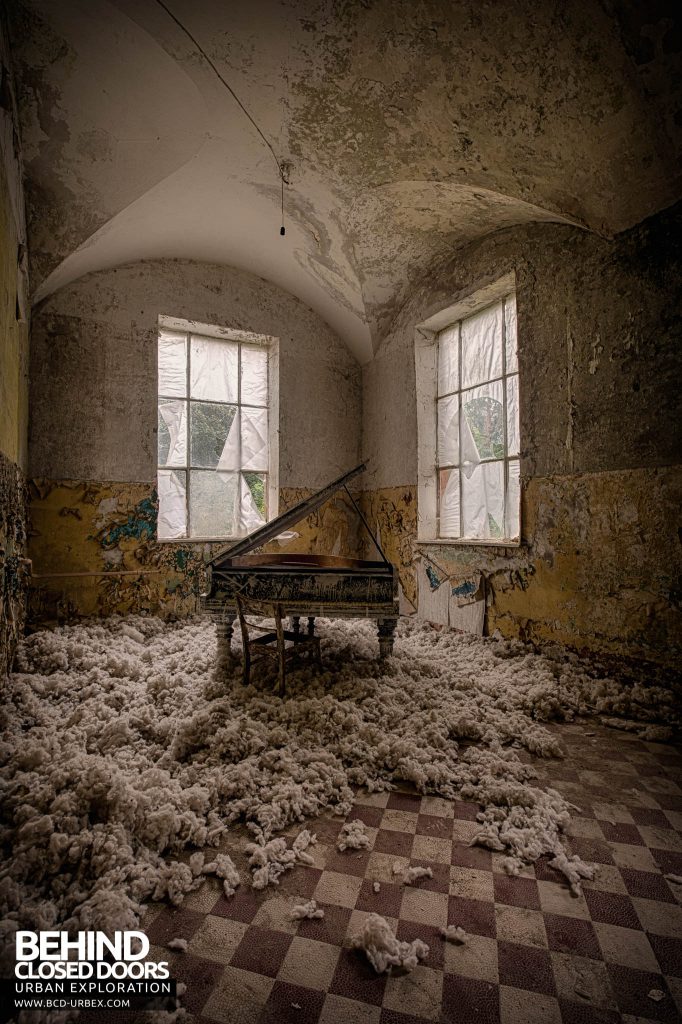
140	525
181	557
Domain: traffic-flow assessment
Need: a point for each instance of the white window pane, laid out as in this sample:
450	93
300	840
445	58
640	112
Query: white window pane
482	346
448	360
210	427
172	363
171	522
482	423
252	506
448	431
483	502
449	501
254	439
254	375
510	334
213	503
213	369
513	508
172	433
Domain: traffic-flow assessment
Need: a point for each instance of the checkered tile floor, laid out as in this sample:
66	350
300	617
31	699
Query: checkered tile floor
535	954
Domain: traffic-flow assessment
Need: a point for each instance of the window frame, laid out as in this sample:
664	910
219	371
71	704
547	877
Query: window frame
426	371
213	332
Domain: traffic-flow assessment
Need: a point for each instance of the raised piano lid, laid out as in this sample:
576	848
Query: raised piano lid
276	526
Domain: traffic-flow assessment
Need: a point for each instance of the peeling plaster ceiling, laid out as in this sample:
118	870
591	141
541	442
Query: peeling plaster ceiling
411	126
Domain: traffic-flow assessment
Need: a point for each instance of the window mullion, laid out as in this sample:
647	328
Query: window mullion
459	423
188	438
239	438
437	459
505	465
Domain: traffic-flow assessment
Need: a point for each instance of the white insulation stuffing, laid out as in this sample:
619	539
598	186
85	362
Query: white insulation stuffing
268	860
354	836
123	747
309	910
224	867
453	933
415	874
384	950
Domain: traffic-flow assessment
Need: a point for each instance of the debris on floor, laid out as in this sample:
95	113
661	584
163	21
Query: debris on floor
306	910
414	874
269	860
384	950
354	836
224	867
124	747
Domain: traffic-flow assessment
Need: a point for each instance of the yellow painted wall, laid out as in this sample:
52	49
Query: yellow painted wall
104	533
13	339
598	570
14	568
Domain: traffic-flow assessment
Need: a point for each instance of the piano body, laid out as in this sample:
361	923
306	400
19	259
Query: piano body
306	585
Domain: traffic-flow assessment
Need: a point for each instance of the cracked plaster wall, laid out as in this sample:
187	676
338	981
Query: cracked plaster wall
599	343
93	430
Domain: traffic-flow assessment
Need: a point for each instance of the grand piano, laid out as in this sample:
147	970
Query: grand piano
305	585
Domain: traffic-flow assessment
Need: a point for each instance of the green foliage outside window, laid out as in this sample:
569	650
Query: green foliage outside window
485	418
209	426
256	482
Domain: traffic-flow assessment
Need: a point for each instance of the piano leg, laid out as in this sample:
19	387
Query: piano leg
386	636
224	632
295	623
311	625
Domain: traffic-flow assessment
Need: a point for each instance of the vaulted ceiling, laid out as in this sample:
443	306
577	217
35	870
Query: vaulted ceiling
406	127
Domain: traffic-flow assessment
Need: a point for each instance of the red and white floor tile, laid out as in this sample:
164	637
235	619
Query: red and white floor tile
535	953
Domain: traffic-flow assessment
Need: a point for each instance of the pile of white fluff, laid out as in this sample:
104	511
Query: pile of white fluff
308	910
268	859
354	836
415	874
223	866
384	950
123	747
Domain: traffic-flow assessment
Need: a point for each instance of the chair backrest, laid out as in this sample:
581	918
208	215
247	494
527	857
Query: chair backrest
262	609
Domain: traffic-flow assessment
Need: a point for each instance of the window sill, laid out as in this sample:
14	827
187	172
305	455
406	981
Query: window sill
453	541
197	540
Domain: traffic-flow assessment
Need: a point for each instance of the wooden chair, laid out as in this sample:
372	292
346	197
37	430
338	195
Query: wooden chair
271	644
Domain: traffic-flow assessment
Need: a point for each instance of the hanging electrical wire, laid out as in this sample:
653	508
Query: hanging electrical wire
233	94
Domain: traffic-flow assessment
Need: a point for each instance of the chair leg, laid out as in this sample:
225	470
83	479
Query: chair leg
280	674
246	666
